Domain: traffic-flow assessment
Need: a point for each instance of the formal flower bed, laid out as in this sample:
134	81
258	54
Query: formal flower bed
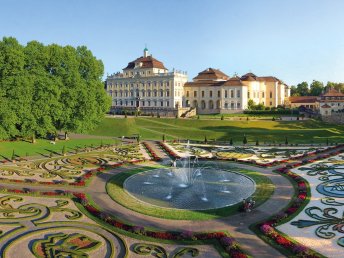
80	181
169	151
227	242
268	228
253	155
151	152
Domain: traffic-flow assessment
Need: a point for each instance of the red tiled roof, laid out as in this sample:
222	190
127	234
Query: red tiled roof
331	92
268	79
235	81
248	77
303	99
147	62
211	74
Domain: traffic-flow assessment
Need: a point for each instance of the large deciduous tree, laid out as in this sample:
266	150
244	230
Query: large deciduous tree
316	88
49	88
302	89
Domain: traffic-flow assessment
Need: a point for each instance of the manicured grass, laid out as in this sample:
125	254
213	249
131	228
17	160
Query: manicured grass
264	189
44	147
303	131
243	116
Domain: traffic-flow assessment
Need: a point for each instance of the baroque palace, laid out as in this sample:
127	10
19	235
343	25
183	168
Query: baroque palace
146	85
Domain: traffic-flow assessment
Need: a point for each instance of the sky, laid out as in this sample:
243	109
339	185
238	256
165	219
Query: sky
294	40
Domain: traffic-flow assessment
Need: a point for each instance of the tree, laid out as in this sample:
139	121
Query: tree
231	141
293	91
205	139
222	117
336	85
13	155
163	137
244	141
250	104
49	88
257	142
316	88
302	89
64	150
286	140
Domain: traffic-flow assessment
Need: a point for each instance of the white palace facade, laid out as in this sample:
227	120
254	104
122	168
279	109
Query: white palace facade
145	85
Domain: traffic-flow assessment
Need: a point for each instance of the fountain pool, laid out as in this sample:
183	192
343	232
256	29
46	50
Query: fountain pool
190	186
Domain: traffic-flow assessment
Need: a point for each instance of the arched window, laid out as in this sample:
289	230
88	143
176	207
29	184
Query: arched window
195	104
203	106
211	104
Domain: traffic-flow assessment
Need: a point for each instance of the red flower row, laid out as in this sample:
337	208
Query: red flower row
169	151
230	246
151	152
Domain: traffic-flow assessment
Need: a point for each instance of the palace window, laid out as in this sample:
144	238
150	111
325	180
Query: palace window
187	94
226	95
195	94
270	94
263	94
161	93
219	94
232	105
202	93
238	105
167	104
248	94
167	93
238	94
211	94
161	103
232	93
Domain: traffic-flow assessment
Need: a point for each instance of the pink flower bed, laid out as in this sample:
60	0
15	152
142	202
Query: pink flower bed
227	242
268	227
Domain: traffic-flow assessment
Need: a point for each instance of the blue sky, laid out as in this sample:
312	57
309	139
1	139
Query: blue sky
295	40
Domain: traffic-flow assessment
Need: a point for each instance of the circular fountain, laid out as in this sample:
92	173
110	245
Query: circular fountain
190	184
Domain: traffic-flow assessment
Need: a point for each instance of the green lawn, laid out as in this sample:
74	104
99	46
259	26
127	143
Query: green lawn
194	129
243	116
44	147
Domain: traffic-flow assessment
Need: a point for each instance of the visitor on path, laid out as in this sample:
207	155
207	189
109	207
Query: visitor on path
248	205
